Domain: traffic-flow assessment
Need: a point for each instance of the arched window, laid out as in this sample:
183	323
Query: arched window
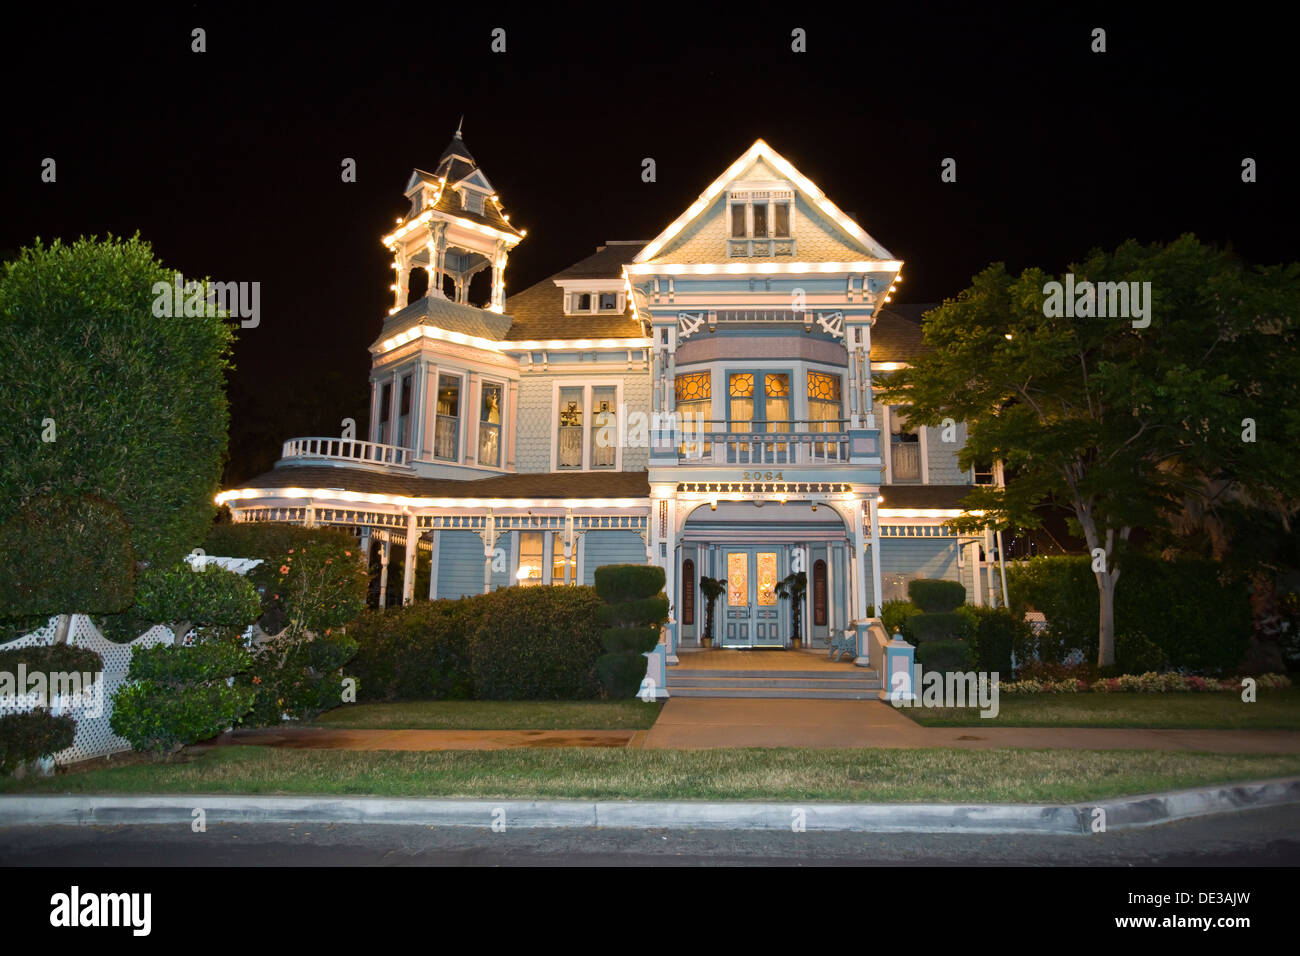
688	592
819	593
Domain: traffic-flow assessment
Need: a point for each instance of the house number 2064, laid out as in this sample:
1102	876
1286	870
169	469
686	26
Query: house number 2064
763	476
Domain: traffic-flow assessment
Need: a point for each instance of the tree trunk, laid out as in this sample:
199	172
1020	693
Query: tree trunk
1106	624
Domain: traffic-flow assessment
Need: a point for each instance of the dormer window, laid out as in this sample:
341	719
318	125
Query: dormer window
471	201
760	222
588	302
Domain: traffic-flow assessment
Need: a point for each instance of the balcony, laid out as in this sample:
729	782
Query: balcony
345	451
760	248
767	443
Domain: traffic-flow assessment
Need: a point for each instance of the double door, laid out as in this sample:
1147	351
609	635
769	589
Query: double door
752	613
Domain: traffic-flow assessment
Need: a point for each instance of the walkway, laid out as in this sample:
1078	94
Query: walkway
699	723
314	738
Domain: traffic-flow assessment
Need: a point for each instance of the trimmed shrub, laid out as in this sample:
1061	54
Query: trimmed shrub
935	595
617	583
66	554
946	656
180	694
208	597
418	652
309	578
895	617
1199	618
948	626
632	620
32	735
538	643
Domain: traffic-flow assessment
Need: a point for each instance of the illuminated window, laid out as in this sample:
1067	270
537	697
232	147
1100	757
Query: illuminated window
446	435
694	394
766	578
781	222
587	428
737	579
825	410
489	425
570	428
609	302
530	558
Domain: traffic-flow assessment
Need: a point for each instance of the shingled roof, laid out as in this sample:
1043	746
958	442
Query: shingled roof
587	484
896	335
445	314
924	496
538	311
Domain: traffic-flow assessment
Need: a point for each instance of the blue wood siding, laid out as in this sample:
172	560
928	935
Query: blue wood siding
610	547
460	564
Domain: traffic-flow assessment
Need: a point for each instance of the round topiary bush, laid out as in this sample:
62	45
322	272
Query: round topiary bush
936	596
633	614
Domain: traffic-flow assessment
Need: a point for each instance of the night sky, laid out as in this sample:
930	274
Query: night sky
228	161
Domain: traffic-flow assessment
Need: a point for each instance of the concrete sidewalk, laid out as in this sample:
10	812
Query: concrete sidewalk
693	723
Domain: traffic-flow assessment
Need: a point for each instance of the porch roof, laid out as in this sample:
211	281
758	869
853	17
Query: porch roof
592	484
924	496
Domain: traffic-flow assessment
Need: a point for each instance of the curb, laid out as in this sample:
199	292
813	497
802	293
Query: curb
1121	813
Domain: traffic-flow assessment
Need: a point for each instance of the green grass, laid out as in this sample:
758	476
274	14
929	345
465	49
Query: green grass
494	715
996	776
1272	710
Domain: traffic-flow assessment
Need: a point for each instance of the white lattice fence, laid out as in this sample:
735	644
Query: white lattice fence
94	737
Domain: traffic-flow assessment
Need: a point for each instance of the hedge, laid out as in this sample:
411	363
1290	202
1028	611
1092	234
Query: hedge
51	658
895	615
946	626
537	643
1199	619
994	634
32	735
616	583
946	656
418	652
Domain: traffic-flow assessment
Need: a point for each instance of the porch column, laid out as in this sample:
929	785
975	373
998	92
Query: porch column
977	596
875	555
498	303
434	547
489	550
672	570
384	546
988	567
408	568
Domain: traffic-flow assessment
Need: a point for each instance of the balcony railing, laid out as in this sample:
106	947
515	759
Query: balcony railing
347	450
763	443
751	248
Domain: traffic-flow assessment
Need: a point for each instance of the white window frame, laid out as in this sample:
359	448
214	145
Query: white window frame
769	195
463	376
501	429
587	385
924	451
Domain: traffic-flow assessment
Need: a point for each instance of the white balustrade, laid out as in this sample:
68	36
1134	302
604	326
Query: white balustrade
346	449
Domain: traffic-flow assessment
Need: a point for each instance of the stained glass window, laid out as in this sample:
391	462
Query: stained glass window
742	385
693	386
767	578
694	392
737	579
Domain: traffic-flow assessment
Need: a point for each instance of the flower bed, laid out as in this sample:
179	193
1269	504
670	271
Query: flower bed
1148	683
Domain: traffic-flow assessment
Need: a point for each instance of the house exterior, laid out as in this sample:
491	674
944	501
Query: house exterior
701	400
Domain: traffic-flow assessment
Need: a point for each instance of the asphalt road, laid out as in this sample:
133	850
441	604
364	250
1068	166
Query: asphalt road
1264	837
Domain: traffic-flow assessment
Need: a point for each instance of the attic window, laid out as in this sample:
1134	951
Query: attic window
760	221
609	302
471	201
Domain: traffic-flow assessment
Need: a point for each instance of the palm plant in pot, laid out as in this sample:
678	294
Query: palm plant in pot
793	586
711	589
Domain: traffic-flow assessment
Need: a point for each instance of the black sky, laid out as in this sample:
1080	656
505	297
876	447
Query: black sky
229	161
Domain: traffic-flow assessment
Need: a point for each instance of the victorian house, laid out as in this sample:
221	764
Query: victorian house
701	400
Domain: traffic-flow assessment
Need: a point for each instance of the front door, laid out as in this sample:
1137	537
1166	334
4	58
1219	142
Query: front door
752	615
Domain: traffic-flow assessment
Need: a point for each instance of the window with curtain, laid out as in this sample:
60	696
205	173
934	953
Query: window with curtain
904	447
825	410
740	393
781	220
489	425
557	560
739	227
446	436
604	426
569	432
777	387
694	403
530	558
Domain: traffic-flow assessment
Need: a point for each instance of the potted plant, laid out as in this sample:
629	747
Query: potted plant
793	586
711	589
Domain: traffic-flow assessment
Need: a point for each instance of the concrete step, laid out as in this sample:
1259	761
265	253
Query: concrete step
775	692
848	673
865	682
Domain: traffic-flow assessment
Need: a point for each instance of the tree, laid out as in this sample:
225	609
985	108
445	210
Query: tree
1120	418
793	586
100	396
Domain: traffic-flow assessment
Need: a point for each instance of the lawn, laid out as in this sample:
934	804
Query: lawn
986	776
494	715
1272	710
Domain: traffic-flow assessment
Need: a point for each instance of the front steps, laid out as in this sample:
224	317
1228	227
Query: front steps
855	684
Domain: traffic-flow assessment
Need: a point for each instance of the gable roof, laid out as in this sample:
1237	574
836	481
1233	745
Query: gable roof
538	311
760	161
